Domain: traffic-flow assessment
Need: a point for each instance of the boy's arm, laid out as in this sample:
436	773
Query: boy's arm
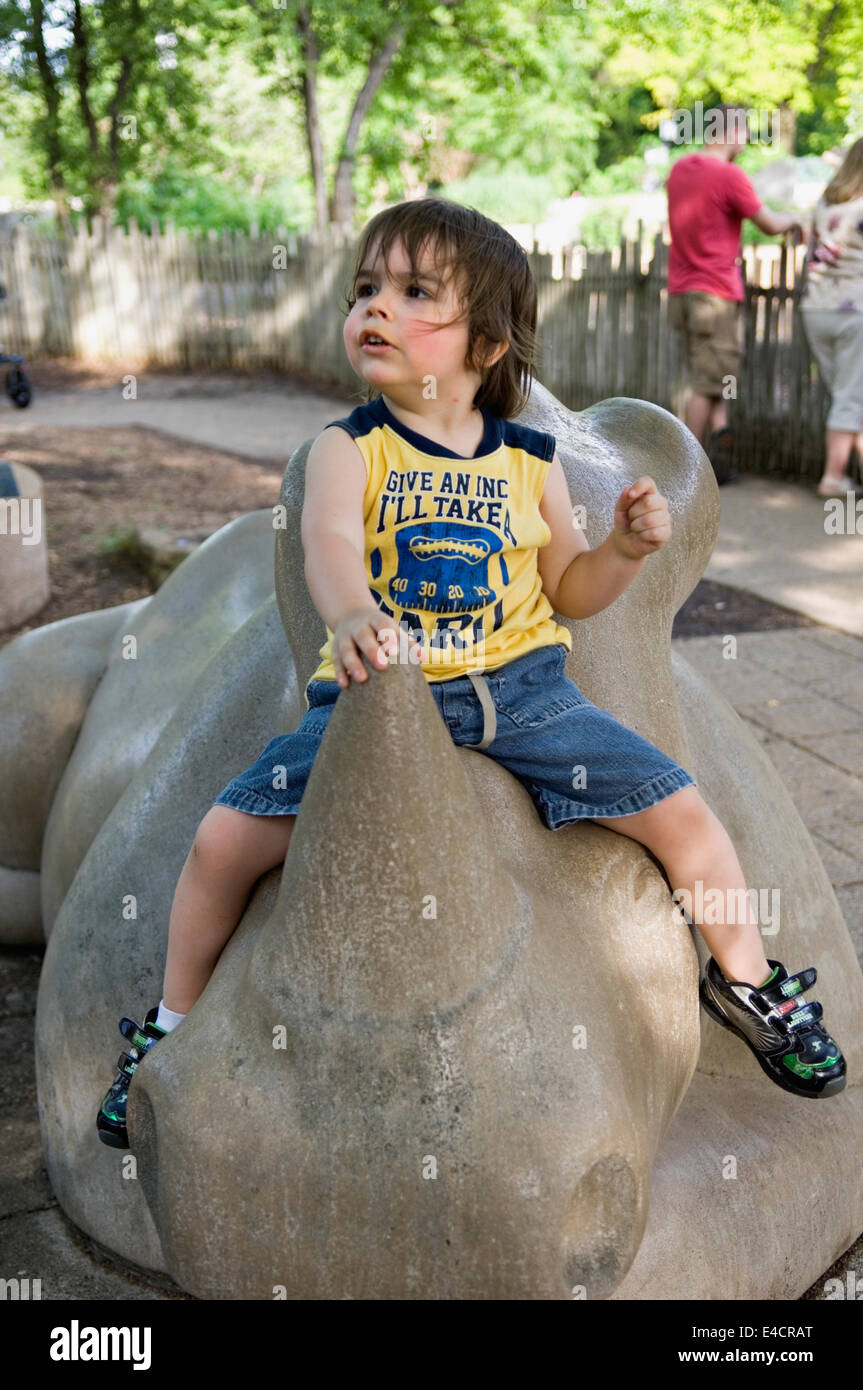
580	581
331	527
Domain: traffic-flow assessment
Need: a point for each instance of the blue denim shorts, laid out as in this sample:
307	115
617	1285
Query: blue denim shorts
575	760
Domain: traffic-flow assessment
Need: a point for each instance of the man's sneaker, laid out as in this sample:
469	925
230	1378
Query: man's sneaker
779	1027
111	1119
720	451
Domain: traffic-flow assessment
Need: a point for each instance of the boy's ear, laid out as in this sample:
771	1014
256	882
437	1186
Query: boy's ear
489	353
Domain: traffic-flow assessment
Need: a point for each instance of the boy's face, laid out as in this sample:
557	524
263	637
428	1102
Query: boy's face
407	312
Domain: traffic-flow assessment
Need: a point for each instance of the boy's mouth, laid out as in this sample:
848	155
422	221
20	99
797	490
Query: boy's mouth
374	342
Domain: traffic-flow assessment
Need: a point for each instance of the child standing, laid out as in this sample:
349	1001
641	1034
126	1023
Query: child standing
429	515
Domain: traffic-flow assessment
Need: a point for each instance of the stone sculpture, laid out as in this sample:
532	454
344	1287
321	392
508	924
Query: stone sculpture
25	586
380	1094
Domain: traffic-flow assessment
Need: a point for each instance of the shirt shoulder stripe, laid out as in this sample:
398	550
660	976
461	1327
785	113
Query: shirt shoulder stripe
360	421
535	442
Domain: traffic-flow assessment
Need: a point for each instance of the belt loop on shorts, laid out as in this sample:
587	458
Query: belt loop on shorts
489	713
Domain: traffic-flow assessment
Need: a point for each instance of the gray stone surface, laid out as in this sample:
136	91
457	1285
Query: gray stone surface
25	586
47	679
200	606
408	1039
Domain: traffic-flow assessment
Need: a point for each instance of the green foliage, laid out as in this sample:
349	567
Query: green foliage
123	540
502	104
511	196
602	227
626	176
199	202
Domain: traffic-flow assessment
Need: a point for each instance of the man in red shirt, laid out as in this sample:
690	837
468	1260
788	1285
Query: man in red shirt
708	198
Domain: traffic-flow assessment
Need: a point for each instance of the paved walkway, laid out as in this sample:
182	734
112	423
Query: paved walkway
773	541
801	693
799	690
267	420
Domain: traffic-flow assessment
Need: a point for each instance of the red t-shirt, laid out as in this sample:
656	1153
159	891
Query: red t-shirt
707	200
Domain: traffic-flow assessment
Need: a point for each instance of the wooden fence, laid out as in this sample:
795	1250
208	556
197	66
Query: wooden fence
271	300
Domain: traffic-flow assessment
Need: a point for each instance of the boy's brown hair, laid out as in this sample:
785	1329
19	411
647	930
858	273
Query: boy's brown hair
494	284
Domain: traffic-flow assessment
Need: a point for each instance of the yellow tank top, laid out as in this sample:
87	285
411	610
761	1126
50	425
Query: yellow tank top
451	543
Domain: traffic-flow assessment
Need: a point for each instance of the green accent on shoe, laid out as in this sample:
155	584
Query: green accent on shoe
774	971
806	1071
793	1065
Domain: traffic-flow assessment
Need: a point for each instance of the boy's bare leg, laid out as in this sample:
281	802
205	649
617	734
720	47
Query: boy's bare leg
231	850
692	844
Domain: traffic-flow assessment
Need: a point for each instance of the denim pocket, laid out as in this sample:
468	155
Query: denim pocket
540	692
315	720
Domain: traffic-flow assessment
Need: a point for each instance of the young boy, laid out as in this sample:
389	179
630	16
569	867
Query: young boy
429	515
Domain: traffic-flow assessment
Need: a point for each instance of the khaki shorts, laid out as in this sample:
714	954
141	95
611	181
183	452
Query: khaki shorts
712	330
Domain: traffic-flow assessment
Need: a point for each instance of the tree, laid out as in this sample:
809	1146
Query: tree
504	76
769	55
110	80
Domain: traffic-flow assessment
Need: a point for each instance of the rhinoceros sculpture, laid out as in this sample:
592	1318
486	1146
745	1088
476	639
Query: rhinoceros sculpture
447	1053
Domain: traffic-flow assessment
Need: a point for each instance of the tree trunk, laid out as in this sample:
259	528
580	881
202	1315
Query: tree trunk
787	129
342	203
53	145
311	57
80	65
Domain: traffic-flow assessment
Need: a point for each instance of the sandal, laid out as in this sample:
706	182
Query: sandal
828	488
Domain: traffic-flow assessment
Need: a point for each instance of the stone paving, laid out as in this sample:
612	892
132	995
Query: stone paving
801	693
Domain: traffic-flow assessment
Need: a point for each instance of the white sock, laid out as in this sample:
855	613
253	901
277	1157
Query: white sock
166	1018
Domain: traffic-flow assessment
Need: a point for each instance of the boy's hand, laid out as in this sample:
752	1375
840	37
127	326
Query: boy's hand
641	520
370	632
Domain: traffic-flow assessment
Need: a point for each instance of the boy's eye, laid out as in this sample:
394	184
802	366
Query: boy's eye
365	285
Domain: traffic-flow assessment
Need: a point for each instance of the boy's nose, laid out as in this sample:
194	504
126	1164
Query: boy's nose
379	320
378	304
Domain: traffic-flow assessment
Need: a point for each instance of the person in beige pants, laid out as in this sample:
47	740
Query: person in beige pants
831	307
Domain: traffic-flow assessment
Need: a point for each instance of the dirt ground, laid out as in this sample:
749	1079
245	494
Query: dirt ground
98	482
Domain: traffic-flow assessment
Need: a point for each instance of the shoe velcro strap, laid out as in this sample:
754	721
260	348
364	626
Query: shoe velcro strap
791	987
137	1036
806	1015
127	1064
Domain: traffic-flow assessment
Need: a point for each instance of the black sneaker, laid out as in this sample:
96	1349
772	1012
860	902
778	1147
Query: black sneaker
782	1030
720	451
111	1119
